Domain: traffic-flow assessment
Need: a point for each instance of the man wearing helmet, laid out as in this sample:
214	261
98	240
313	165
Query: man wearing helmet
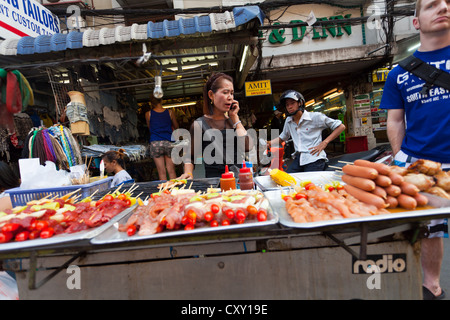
306	128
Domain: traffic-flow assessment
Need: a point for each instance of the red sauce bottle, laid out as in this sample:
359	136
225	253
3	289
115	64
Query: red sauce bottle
227	181
246	178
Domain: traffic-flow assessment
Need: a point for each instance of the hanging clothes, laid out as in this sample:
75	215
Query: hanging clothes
15	94
55	144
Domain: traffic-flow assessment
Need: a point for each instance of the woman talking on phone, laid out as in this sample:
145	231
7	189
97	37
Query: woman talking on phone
220	127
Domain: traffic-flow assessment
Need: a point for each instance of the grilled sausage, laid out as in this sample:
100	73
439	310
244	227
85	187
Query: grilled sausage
396	178
361	183
409	188
365	196
379	191
380	167
383	181
393	190
407	202
358	171
392	202
421	200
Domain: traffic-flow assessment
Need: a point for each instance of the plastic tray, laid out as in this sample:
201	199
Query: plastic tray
20	197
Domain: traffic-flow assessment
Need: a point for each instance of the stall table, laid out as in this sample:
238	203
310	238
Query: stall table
271	263
363	258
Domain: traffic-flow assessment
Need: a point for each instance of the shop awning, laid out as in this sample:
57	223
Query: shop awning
214	22
194	46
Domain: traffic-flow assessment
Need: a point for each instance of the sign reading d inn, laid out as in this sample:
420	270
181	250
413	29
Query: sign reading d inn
307	34
298	33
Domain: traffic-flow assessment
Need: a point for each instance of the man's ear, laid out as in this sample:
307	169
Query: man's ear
416	23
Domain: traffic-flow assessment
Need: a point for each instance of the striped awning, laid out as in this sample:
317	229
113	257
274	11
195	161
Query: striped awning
182	27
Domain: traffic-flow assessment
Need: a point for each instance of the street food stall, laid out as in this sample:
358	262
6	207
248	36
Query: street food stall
269	257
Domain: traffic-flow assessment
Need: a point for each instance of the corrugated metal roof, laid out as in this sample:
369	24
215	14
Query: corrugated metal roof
214	22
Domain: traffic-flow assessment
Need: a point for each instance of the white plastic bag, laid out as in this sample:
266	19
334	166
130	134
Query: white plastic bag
46	177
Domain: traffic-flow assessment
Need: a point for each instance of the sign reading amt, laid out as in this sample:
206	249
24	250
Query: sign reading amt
21	18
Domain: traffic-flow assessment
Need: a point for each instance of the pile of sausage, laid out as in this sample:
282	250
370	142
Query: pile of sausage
376	184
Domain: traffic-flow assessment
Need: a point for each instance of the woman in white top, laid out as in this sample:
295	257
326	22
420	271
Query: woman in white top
115	163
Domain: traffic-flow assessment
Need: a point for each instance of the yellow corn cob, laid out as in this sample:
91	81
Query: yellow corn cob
282	178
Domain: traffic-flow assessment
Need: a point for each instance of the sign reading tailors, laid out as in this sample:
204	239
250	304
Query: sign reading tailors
258	88
21	18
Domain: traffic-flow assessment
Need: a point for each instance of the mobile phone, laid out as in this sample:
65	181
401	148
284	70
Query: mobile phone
233	106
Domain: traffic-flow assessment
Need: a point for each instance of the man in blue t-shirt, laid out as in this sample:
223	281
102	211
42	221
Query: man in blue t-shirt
418	125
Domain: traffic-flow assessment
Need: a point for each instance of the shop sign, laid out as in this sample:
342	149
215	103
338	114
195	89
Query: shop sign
307	35
258	88
298	33
380	75
21	18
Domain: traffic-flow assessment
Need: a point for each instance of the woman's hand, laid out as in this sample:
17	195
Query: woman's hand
233	113
187	175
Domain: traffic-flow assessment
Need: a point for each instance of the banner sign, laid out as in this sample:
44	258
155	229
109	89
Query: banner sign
21	18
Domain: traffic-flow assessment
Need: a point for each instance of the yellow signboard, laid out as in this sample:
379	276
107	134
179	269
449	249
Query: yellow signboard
258	88
380	75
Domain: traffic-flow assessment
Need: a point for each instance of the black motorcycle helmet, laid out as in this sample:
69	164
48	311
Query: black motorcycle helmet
291	94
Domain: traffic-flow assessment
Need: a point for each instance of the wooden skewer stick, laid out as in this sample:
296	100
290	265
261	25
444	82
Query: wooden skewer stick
338	168
132	188
68	195
76	197
93	193
88	165
346	162
117	190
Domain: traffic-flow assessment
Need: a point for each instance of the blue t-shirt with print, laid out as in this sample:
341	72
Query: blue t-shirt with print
427	116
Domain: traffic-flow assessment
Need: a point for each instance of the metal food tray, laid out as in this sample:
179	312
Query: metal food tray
64	238
149	187
112	234
265	183
442	209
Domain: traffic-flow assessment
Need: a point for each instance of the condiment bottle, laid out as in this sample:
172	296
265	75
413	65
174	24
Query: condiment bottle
227	181
246	178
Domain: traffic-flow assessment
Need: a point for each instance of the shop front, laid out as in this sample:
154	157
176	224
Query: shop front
116	71
328	63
